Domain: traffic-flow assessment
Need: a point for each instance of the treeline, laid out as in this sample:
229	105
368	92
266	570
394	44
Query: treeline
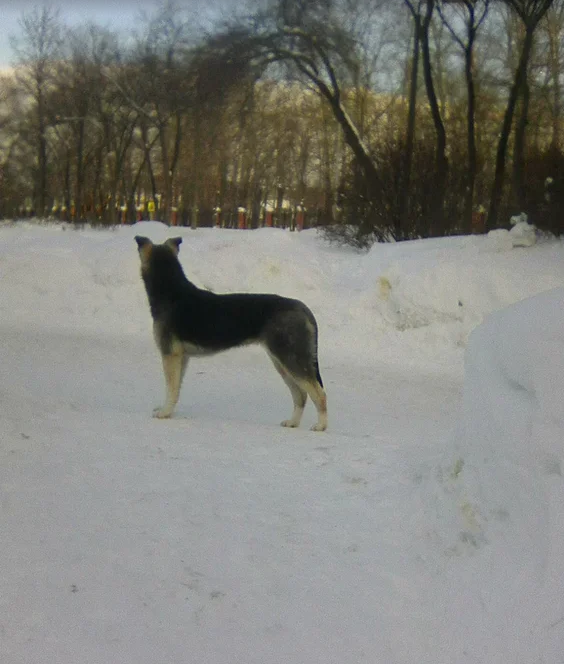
381	119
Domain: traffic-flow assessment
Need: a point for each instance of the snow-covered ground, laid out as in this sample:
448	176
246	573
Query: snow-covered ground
422	527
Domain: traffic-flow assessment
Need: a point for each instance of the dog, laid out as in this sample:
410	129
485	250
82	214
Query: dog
191	322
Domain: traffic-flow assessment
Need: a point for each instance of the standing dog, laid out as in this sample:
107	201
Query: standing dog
189	322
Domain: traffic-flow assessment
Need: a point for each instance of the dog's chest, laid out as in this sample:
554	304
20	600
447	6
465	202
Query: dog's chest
193	350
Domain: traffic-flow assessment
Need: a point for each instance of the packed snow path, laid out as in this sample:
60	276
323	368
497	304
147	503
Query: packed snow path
216	536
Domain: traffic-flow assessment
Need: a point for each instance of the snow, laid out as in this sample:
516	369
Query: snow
425	526
506	494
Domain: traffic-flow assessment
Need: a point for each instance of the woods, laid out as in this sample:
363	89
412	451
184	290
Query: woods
378	120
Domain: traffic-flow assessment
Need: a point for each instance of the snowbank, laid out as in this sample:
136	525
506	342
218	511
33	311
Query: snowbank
416	299
502	491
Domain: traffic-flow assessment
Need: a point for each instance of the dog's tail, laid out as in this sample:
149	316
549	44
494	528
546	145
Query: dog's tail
315	346
317	374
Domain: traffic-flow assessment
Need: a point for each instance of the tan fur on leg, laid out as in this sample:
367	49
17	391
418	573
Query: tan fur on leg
173	367
319	398
299	396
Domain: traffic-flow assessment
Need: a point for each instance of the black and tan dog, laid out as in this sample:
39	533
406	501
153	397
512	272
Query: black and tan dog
190	322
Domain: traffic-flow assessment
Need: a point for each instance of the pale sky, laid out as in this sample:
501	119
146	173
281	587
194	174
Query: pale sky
119	15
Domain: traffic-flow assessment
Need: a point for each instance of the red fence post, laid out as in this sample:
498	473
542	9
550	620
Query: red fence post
479	221
242	218
300	215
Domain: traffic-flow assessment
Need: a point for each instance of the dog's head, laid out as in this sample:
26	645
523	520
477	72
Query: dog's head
147	249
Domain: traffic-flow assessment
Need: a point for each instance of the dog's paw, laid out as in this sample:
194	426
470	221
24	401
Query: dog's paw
162	413
291	424
319	427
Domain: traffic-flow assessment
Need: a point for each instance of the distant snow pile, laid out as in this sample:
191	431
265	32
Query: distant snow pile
459	280
513	414
502	487
522	234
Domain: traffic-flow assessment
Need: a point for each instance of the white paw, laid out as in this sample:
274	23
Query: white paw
289	423
162	413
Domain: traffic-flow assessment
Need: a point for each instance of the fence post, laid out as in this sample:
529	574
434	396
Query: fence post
241	218
479	220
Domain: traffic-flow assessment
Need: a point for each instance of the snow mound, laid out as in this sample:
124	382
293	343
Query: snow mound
156	231
501	489
457	280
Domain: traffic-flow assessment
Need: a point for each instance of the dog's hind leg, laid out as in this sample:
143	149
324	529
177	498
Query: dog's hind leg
315	390
299	396
291	341
174	367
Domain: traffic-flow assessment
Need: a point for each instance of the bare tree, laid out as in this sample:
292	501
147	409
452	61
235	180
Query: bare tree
119	122
80	85
553	28
441	161
308	39
405	174
15	154
530	12
37	51
473	14
422	14
158	85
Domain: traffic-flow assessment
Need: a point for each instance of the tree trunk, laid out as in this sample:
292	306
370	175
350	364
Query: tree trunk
67	199
519	197
499	177
555	47
326	166
354	141
147	157
437	221
405	177
471	137
41	197
165	163
97	194
79	187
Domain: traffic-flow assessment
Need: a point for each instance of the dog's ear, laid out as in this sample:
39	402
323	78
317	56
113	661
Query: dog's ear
142	241
174	243
145	247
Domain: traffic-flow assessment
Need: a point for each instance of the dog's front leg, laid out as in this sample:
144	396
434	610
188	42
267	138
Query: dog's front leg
174	366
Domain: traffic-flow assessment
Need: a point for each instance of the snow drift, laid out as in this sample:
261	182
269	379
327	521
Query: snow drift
501	489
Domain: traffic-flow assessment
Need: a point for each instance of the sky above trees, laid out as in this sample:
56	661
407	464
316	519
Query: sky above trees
120	16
